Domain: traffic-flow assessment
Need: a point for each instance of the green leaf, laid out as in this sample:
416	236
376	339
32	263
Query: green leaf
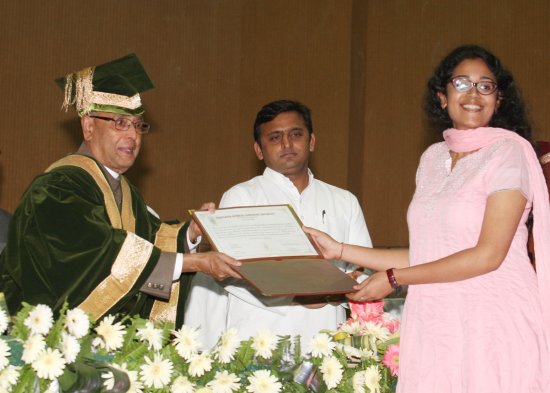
85	377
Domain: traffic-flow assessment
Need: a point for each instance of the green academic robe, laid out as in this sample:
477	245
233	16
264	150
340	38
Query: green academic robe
69	241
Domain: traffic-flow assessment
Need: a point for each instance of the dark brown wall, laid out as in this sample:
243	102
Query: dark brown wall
360	65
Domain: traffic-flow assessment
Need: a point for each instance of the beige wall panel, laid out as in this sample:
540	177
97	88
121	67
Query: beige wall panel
214	63
360	65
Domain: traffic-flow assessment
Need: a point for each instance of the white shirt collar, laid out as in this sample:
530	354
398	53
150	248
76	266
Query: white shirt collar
114	174
281	179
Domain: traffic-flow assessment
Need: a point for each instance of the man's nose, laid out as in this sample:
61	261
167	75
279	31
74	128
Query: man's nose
132	132
285	140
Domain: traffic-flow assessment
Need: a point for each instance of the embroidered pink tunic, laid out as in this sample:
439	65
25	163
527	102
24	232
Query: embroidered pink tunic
484	334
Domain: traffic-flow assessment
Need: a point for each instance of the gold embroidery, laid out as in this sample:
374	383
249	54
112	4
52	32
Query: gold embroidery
122	101
128	265
84	94
167	240
128	218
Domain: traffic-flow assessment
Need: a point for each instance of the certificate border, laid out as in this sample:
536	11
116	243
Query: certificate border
274	257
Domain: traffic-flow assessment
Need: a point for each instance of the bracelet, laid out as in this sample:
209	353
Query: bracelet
392	279
544	159
341	250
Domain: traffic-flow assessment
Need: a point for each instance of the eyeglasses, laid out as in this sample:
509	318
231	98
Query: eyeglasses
123	124
462	84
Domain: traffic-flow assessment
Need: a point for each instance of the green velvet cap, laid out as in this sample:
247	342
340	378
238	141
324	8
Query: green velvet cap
111	87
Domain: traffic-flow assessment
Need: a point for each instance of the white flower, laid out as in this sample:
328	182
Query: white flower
264	343
4	320
378	331
182	385
156	373
228	344
77	322
352	328
186	341
40	320
109	380
152	335
97	342
199	364
111	333
204	389
262	381
224	382
49	364
70	347
8	378
32	348
4	354
358	382
372	379
332	371
321	345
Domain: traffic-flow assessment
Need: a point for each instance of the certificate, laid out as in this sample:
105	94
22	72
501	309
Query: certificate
279	258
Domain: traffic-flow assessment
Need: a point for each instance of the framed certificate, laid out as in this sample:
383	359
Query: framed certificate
279	258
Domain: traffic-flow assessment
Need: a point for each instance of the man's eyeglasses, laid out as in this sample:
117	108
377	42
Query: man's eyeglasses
123	124
462	84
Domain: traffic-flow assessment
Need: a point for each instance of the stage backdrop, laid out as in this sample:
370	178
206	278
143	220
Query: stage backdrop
360	65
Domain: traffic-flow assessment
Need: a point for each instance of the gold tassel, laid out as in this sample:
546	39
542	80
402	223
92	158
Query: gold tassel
82	80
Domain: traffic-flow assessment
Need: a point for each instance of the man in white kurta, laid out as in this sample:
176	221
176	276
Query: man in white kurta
284	140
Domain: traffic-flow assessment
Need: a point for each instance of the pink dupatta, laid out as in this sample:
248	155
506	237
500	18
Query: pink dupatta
463	141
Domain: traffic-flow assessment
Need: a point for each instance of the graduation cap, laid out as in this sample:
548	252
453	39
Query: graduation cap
111	87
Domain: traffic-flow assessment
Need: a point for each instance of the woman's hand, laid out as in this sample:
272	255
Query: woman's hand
330	248
375	287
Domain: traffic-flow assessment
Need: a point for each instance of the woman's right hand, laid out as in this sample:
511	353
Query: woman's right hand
330	248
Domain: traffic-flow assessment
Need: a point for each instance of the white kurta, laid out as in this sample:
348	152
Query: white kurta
218	307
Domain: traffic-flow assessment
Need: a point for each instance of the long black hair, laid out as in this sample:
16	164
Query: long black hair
511	114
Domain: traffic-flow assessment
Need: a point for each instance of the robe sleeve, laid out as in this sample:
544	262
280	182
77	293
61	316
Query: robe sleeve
63	247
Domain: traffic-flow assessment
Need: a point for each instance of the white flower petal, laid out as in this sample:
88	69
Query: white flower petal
77	322
49	364
40	319
156	373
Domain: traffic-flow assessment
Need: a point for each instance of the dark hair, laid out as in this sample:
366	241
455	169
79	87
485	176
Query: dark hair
511	113
275	108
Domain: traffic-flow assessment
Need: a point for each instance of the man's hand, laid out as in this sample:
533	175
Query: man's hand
215	264
194	229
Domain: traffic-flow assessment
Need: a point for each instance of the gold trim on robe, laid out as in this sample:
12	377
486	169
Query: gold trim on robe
134	253
167	240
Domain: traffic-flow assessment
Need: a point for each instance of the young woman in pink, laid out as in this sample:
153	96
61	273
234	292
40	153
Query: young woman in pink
477	315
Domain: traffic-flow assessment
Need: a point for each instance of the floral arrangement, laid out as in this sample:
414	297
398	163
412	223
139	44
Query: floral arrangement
132	354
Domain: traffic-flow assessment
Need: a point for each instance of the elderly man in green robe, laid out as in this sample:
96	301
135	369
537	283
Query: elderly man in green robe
83	234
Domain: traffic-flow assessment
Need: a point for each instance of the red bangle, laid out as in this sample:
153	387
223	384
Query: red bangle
392	279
